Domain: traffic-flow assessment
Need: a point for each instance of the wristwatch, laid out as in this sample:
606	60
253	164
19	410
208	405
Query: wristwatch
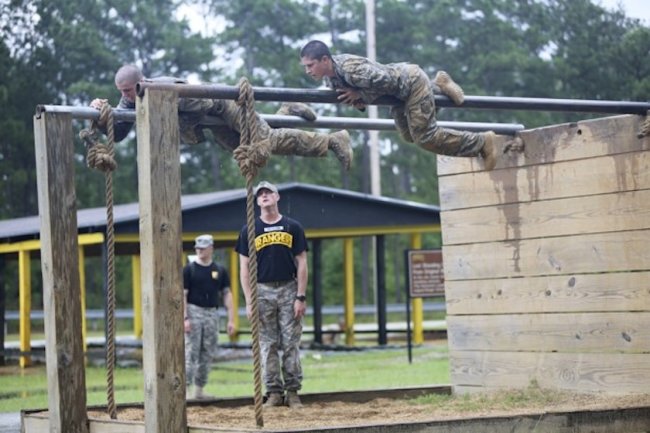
301	298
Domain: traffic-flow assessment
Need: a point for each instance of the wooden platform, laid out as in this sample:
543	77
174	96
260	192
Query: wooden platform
624	420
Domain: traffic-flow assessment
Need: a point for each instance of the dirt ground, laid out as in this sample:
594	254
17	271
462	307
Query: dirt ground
389	411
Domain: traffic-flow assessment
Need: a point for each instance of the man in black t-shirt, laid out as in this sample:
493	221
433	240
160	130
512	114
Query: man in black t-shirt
281	249
204	284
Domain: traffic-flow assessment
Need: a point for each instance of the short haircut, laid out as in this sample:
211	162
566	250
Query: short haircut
128	74
315	50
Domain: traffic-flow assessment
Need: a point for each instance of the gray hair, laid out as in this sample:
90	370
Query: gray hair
128	74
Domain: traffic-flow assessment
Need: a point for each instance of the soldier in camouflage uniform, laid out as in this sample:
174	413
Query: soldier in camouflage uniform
281	249
205	284
360	81
195	115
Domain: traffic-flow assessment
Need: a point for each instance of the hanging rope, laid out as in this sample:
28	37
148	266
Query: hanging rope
102	157
251	155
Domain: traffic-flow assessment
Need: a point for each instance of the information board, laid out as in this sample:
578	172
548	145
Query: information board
426	277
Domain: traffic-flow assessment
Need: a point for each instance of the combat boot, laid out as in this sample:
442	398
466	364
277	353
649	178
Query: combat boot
489	150
297	109
201	395
449	88
275	399
292	400
339	144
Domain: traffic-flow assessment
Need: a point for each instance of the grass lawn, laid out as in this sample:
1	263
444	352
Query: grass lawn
323	372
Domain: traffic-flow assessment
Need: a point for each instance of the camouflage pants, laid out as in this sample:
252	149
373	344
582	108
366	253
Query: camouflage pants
200	344
416	121
280	331
283	141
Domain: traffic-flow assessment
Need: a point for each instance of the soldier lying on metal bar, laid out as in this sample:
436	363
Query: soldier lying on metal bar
360	81
195	114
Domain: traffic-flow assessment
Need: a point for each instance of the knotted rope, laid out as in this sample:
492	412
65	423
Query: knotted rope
102	157
251	155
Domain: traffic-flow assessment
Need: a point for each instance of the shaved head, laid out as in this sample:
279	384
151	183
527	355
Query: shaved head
128	74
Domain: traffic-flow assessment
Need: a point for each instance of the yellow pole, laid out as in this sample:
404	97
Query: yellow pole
234	289
348	264
416	303
137	295
25	305
82	286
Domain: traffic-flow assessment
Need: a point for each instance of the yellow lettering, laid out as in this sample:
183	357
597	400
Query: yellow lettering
273	238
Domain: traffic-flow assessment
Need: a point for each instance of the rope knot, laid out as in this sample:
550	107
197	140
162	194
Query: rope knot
100	156
252	153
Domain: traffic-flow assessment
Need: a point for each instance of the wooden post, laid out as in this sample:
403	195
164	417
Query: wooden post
159	186
66	380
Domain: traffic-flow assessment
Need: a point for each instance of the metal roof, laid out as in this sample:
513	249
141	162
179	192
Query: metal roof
316	207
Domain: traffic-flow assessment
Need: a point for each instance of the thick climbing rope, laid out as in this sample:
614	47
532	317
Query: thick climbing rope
251	155
102	157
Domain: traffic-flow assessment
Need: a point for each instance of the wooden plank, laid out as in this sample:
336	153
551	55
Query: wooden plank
592	253
54	151
593	372
601	175
575	215
624	291
596	332
564	142
160	249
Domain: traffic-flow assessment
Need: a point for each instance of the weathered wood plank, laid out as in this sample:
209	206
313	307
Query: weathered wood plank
568	141
593	372
623	291
598	175
592	253
559	332
160	249
66	381
575	215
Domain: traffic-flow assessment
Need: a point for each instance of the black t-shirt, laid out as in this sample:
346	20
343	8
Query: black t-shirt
205	284
276	246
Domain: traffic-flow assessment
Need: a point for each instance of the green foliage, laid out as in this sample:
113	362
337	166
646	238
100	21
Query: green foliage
53	51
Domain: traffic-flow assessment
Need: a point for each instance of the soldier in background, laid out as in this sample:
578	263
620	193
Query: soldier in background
281	250
206	285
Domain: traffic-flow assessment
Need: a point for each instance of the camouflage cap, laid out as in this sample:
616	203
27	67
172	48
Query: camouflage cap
265	185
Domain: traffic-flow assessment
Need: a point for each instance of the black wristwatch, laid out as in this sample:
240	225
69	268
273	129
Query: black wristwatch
301	298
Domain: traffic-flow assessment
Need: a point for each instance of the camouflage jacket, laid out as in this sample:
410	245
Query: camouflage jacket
370	79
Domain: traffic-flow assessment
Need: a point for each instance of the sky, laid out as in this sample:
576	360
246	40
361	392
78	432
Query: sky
633	8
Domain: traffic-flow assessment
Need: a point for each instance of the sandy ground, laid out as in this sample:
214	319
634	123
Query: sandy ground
380	411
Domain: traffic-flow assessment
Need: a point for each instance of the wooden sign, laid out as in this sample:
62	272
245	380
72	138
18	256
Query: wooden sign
426	277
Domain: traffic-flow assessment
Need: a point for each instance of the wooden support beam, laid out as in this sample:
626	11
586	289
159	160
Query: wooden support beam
59	261
417	305
136	280
159	186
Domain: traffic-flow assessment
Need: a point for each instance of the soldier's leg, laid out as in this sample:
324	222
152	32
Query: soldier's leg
291	329
269	338
192	346
209	336
287	141
420	112
401	122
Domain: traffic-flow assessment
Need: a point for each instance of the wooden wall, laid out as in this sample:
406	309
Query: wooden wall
547	261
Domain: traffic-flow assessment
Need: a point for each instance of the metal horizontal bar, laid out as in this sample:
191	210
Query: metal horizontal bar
218	91
277	121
